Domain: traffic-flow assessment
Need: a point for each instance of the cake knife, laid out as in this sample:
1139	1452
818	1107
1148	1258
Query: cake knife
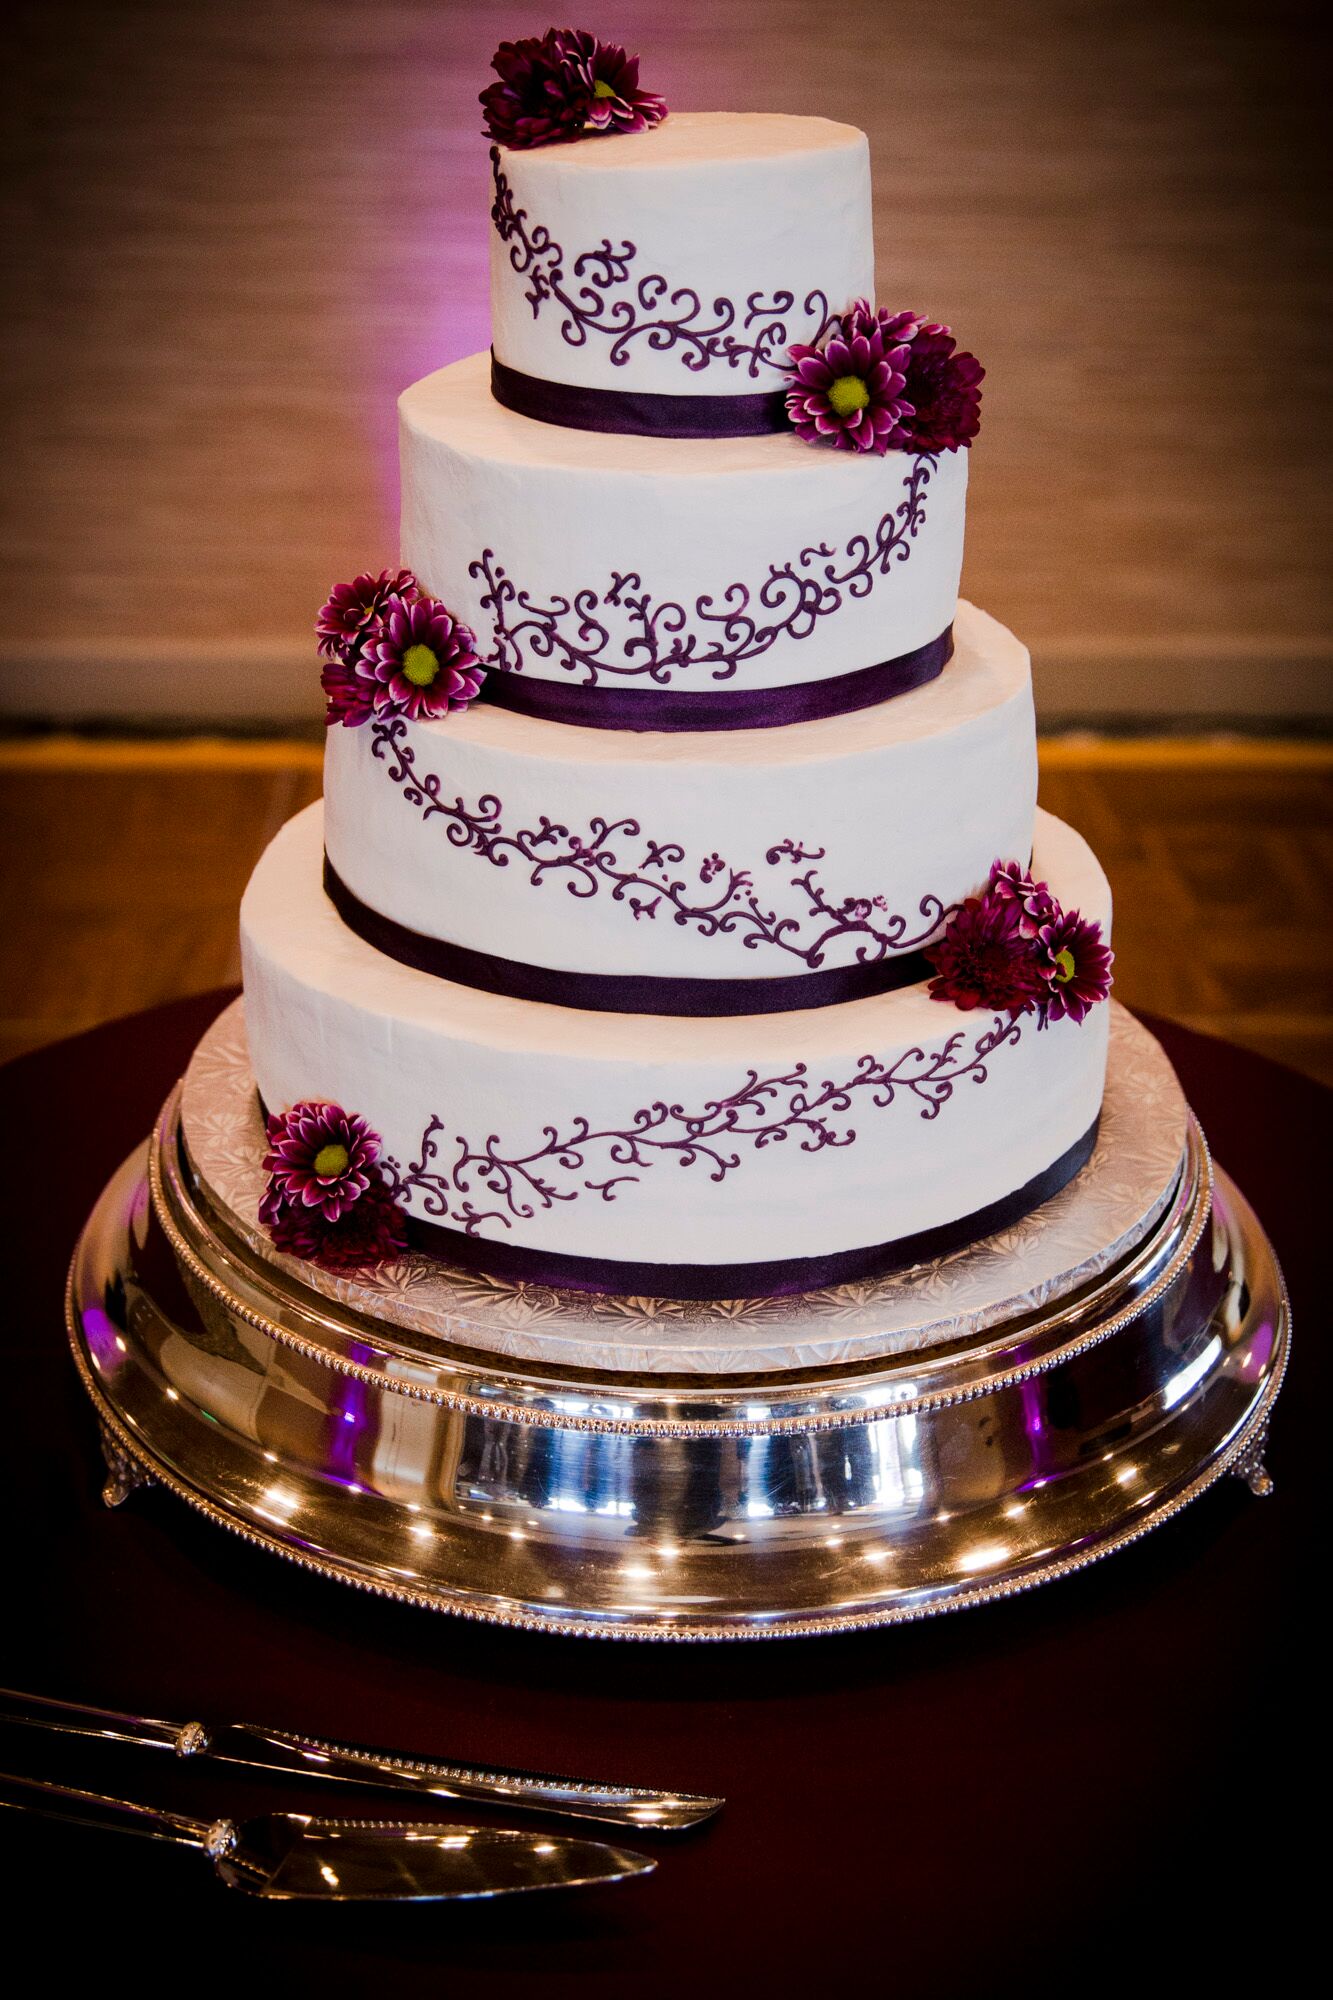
296	1856
289	1751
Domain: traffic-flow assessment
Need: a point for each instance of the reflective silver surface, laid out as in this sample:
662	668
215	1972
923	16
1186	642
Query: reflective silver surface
677	1508
290	1856
265	1749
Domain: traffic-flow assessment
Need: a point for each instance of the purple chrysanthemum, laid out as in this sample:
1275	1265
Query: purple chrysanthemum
351	695
939	400
365	1234
615	101
351	607
1033	900
942	392
849	391
421	659
319	1157
986	959
895	329
1075	963
542	97
555	87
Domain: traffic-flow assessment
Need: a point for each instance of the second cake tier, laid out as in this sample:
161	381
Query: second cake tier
735	872
597	567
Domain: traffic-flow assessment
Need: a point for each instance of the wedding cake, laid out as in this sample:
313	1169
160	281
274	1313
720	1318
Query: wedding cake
679	918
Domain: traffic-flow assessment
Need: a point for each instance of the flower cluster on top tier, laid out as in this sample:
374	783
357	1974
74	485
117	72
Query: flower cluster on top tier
1013	949
881	381
558	86
326	1198
389	649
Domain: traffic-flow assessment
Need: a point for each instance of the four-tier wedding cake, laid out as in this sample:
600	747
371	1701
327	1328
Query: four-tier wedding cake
679	918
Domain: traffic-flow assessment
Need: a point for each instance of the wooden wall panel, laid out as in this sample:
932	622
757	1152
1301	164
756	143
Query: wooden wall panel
235	230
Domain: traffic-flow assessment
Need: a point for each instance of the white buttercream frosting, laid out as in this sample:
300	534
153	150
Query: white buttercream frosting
328	1017
715	218
696	564
584	849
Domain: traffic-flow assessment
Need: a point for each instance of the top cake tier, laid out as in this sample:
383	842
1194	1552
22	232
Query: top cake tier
682	261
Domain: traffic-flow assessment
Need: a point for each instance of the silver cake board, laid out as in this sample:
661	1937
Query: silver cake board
639	1469
1086	1229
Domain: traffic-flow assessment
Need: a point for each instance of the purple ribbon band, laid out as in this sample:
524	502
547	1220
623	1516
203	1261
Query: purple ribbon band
670	709
770	1279
633	414
612	992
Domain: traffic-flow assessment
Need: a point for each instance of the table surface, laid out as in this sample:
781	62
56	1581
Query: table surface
956	1807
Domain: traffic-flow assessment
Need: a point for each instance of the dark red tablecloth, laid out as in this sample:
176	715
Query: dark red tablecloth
1070	1791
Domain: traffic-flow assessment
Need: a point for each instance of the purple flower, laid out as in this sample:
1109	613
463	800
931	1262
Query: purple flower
938	401
616	103
943	392
351	695
421	659
1075	963
1033	900
365	1234
896	329
986	958
351	607
557	86
319	1157
542	98
849	392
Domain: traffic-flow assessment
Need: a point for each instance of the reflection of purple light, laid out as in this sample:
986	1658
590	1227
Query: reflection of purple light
1041	1445
104	1342
350	1415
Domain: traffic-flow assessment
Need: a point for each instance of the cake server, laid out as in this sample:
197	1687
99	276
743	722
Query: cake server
291	1855
349	1763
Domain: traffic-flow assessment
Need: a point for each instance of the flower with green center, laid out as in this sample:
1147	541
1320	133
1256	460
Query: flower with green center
556	87
319	1157
422	662
1076	964
848	392
615	101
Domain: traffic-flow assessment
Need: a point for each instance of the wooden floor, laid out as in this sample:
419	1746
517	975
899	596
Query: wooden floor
122	864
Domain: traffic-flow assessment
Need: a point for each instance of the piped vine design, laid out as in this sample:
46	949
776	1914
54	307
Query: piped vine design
750	338
451	1172
649	877
648	640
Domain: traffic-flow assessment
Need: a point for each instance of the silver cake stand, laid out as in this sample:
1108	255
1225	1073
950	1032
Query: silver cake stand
638	1468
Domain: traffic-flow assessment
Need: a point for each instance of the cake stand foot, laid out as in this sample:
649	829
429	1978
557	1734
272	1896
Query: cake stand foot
1251	1468
124	1475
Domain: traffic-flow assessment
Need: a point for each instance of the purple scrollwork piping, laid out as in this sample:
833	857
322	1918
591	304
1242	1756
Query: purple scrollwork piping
653	641
583	1159
655	312
648	877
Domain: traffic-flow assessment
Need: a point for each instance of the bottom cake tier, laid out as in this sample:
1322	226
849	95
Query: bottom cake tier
684	1157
